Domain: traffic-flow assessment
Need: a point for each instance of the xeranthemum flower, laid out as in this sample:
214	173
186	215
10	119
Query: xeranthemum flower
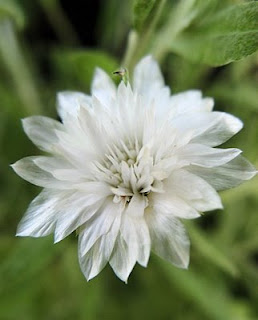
125	165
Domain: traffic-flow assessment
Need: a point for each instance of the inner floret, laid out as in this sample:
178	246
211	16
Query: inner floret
128	171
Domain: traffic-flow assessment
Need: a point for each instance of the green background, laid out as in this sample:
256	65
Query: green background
47	46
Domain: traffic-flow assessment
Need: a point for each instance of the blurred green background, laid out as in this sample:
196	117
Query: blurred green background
48	46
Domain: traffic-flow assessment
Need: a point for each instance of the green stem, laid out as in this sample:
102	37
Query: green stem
15	63
179	19
139	44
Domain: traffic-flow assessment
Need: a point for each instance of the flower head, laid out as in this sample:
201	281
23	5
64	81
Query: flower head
125	165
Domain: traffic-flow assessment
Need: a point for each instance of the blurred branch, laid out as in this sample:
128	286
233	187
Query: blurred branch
16	65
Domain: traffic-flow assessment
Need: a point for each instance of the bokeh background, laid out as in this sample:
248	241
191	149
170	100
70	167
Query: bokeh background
50	45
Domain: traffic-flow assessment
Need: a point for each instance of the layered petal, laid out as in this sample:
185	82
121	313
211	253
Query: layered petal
168	237
97	257
30	171
42	131
69	103
40	218
103	88
201	155
195	191
147	77
228	175
134	230
190	102
123	259
99	224
209	128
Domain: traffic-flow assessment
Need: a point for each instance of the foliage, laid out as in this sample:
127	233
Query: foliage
40	280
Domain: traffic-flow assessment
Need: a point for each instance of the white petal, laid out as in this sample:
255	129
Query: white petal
174	205
42	131
40	218
122	259
169	239
209	128
97	257
69	103
228	175
190	102
147	77
28	170
194	190
72	213
134	230
99	224
103	88
204	156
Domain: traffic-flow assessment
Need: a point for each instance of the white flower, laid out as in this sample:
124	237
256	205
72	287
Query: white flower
125	165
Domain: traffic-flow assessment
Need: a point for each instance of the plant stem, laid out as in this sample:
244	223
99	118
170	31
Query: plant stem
15	63
138	43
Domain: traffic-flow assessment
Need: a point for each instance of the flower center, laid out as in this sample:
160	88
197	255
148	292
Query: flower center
128	171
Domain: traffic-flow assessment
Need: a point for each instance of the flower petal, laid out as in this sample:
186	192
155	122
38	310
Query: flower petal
134	230
194	190
204	156
147	77
97	257
28	170
40	218
69	103
42	131
190	102
228	175
103	88
122	259
169	239
209	128
72	213
99	224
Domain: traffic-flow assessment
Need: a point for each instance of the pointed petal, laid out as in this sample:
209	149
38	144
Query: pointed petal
194	190
228	175
172	204
204	156
209	128
122	259
190	102
103	88
42	131
73	212
28	170
99	225
134	230
69	103
40	218
97	257
169	239
147	77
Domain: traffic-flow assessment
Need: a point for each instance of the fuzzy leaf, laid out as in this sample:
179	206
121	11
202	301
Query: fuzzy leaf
141	10
227	36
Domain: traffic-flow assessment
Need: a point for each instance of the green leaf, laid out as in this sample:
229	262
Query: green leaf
10	9
141	10
229	35
77	66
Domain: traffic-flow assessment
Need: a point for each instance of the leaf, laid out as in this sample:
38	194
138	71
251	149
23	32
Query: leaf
77	66
141	11
229	35
10	9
